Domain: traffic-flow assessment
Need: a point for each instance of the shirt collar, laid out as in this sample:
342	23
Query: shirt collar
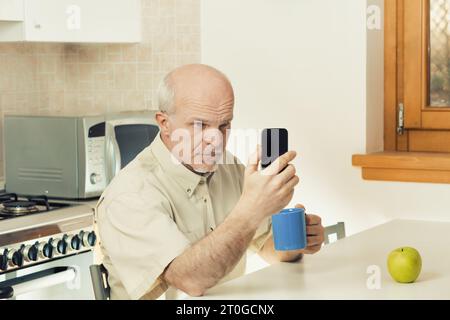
187	179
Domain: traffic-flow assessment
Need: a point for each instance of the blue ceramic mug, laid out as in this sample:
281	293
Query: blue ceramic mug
289	229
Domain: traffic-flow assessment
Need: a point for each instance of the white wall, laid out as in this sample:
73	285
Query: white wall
374	76
301	64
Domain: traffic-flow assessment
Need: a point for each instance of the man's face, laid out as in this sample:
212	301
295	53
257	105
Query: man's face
200	125
201	137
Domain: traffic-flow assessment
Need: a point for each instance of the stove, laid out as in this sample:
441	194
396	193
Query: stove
11	205
36	230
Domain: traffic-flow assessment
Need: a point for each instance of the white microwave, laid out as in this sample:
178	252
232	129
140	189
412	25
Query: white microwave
72	157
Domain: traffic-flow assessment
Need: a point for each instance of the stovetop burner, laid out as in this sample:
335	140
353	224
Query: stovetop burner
19	207
12	205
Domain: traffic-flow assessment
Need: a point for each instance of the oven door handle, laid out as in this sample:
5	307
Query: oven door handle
35	281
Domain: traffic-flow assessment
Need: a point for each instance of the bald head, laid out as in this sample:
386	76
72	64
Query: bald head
192	82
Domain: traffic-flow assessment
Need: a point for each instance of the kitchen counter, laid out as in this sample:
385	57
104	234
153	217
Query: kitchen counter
340	270
90	202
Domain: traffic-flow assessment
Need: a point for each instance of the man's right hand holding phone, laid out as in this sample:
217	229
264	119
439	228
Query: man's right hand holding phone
268	191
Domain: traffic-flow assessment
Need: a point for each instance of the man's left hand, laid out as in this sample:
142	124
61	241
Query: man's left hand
314	232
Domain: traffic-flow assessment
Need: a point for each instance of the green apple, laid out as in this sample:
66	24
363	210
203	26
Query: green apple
404	264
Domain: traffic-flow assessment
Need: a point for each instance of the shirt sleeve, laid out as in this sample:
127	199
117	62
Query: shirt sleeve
141	240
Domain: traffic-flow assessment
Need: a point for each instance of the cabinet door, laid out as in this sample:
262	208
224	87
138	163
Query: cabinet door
11	10
82	20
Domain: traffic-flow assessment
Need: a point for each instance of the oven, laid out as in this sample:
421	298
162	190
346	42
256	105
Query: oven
66	278
46	248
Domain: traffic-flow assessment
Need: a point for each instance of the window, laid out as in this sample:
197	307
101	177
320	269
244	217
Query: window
438	71
417	94
425	85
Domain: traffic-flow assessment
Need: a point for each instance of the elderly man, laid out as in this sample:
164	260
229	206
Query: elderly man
170	223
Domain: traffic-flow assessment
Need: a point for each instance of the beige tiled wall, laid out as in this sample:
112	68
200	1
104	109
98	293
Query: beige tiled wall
44	78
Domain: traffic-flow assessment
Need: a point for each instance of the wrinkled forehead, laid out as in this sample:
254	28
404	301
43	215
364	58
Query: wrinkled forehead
207	115
210	101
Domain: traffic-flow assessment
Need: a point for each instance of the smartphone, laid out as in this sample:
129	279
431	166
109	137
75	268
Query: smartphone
274	143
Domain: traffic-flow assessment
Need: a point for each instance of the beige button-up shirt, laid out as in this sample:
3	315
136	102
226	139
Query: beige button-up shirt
153	210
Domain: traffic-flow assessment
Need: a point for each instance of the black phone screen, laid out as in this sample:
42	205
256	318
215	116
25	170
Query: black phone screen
274	144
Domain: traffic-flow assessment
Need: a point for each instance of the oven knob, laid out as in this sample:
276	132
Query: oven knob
33	253
4	260
88	239
83	236
17	258
95	178
30	253
61	246
92	238
40	247
75	242
47	250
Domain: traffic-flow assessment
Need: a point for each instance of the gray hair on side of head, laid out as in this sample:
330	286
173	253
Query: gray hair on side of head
166	96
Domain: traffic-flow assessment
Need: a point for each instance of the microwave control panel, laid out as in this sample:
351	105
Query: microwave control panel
95	159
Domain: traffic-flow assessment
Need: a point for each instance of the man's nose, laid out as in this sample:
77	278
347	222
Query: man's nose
213	136
213	141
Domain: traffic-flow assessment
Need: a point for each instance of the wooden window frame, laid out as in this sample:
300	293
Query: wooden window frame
418	114
399	162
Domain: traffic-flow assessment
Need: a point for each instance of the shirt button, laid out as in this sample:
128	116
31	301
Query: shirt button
188	190
201	182
204	200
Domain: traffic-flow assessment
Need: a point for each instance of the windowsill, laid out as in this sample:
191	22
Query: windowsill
404	166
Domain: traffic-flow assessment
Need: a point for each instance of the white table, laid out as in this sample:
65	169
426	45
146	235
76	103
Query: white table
339	270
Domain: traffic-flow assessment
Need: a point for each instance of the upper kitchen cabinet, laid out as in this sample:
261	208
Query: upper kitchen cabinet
70	21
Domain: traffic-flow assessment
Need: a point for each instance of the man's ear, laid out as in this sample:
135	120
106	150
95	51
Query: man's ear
163	121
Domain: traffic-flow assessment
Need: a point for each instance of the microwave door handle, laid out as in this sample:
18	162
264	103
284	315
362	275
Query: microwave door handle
109	159
112	159
29	283
117	158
